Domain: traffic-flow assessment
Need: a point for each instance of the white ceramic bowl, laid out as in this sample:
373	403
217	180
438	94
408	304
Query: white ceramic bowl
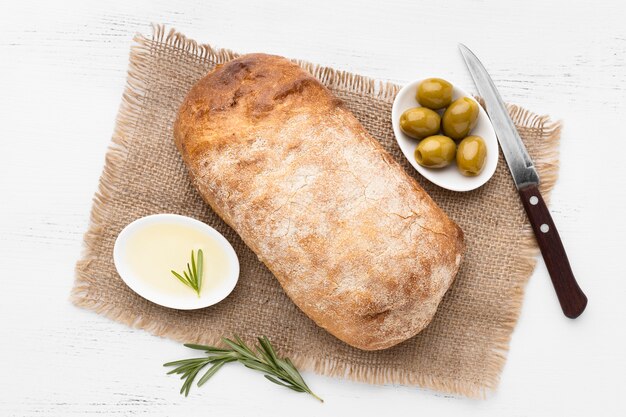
186	299
449	177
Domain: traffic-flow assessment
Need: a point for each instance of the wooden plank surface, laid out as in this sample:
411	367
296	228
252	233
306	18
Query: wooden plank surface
62	72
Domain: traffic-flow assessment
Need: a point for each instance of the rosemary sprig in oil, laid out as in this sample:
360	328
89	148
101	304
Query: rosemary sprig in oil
192	277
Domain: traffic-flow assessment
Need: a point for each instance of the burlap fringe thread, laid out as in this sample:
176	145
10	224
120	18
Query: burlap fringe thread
130	110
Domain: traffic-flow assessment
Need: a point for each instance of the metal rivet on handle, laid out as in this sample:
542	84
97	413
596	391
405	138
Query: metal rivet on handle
544	228
534	200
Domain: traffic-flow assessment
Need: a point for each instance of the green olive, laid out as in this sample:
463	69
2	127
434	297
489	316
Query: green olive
420	122
471	155
435	151
460	118
434	93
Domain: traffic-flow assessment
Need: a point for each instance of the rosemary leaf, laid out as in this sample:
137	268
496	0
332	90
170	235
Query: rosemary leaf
184	361
276	381
212	370
207	349
240	348
266	347
199	270
191	279
193	269
183	280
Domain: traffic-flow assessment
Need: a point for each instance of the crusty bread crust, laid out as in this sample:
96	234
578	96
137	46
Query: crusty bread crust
355	242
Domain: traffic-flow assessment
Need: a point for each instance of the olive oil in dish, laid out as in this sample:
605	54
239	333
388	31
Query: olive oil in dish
156	249
149	249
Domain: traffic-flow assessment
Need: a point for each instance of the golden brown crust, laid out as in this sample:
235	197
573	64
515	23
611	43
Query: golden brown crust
354	241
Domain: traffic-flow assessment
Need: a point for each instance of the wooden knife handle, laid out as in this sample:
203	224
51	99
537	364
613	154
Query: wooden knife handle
573	300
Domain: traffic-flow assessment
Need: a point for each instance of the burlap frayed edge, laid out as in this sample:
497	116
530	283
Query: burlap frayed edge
130	111
336	79
546	162
127	118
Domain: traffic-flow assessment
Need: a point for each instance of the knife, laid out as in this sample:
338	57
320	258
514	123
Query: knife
573	301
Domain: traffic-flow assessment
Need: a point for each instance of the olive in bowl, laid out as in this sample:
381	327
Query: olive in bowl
471	155
420	122
460	118
436	151
434	93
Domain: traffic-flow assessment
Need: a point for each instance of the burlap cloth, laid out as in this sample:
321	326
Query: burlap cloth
462	351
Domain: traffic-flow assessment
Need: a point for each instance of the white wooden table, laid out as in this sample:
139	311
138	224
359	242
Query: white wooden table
62	72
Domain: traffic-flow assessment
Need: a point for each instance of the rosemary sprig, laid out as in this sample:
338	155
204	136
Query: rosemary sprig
192	277
263	358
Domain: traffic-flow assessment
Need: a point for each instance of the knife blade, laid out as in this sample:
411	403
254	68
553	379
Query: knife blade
572	299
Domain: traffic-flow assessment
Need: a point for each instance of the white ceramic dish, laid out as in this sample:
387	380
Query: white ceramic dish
449	177
185	298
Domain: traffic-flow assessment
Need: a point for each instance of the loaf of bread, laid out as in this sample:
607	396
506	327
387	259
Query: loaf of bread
354	241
